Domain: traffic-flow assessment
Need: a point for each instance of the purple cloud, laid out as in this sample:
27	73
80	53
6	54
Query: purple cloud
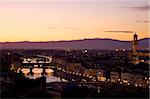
51	27
120	31
142	21
141	8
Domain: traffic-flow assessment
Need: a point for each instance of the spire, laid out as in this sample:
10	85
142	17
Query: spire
135	36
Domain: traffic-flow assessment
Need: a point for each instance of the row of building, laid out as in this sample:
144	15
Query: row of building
128	77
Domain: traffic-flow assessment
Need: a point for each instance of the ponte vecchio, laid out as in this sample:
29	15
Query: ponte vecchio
37	66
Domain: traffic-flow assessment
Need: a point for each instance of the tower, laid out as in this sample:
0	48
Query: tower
135	44
135	48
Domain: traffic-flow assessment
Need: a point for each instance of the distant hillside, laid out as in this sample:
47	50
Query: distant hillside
75	44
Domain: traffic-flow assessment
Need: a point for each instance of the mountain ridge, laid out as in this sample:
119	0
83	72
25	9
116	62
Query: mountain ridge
74	40
95	43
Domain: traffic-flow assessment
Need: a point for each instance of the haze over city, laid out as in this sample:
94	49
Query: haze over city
49	20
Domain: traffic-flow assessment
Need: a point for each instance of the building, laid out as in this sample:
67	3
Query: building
90	72
74	67
136	79
101	75
114	76
125	77
135	49
137	55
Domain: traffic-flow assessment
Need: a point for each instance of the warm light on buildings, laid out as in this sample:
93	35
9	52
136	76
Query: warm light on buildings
28	59
63	70
59	68
37	70
113	81
33	61
76	73
124	81
49	71
25	61
79	74
128	83
35	65
102	78
18	70
136	85
25	71
87	75
147	82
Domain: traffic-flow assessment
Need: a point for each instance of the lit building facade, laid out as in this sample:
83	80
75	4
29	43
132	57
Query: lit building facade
137	54
135	49
114	76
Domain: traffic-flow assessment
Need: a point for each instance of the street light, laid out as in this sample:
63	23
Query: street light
76	73
128	83
120	82
79	74
136	85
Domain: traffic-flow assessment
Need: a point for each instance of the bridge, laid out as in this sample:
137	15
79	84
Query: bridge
39	67
45	68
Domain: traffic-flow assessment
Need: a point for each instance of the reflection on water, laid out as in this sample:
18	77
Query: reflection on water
37	73
48	78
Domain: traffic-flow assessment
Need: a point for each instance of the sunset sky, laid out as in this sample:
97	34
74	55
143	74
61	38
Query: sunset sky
53	20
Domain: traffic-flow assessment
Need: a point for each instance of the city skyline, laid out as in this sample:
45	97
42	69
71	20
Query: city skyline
49	20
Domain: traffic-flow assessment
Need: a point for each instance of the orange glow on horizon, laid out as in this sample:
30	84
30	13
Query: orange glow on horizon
54	21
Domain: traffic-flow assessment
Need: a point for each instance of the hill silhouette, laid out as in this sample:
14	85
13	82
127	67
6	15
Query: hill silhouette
96	43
